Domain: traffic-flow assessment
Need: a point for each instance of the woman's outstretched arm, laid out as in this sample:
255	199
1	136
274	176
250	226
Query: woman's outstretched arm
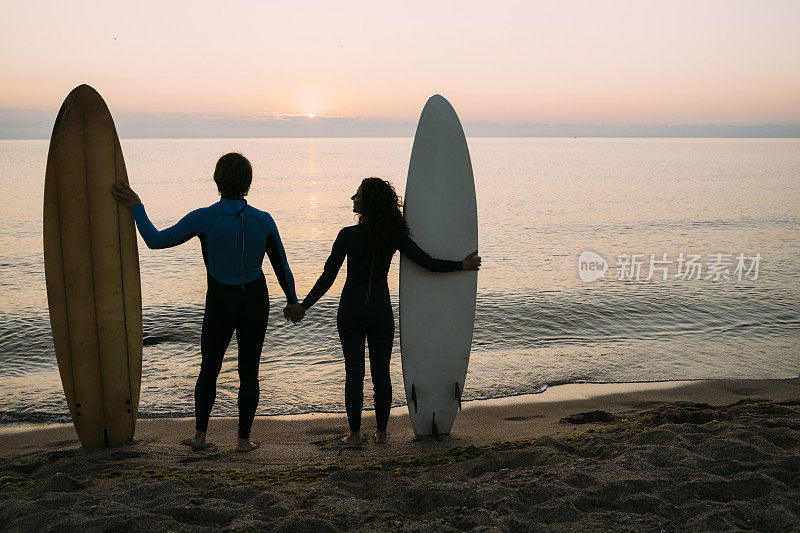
332	266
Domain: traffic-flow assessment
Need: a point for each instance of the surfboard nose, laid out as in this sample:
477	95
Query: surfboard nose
83	93
438	116
83	96
437	101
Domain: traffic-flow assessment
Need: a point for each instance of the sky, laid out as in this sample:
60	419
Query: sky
614	63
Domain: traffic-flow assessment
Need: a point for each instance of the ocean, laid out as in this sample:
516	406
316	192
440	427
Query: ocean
604	260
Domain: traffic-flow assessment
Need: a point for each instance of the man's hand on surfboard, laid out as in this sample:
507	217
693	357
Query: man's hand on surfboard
471	262
122	193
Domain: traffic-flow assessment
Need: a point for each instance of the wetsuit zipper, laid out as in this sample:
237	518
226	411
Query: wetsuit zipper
369	284
241	235
241	256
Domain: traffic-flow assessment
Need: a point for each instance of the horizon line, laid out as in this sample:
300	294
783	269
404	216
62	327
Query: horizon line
222	127
411	137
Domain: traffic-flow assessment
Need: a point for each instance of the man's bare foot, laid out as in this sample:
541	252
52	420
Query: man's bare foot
198	442
246	445
380	437
352	438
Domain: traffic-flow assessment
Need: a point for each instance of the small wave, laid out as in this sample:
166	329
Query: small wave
36	417
167	414
152	340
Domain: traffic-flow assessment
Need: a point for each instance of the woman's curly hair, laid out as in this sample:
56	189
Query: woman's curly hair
381	215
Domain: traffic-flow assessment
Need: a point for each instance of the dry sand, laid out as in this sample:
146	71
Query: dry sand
700	455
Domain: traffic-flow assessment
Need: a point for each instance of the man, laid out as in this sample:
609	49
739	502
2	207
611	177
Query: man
234	238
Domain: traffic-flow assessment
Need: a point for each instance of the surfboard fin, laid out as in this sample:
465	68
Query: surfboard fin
458	395
414	396
434	429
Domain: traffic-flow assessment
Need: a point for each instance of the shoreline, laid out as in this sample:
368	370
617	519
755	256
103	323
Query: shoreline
548	393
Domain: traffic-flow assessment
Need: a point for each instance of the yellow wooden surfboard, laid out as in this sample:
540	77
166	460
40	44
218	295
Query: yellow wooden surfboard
92	269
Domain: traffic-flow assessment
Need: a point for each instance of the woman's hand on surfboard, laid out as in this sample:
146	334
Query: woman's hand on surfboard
122	193
294	312
471	262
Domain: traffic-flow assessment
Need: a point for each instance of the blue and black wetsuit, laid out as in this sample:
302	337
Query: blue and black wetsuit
365	312
234	238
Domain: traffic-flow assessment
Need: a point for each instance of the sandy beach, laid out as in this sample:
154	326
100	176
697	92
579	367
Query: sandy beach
719	455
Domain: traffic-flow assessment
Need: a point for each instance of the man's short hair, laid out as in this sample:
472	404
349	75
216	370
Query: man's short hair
233	175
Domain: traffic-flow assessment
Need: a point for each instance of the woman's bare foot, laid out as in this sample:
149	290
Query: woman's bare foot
198	442
246	445
352	438
380	437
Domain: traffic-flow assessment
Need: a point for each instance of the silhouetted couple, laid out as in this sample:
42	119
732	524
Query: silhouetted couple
235	237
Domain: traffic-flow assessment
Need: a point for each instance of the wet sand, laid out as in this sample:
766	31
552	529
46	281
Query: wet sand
690	455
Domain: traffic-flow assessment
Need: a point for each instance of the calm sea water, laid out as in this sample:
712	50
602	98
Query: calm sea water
541	203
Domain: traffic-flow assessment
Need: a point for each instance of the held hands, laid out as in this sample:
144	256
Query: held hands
294	312
122	192
471	262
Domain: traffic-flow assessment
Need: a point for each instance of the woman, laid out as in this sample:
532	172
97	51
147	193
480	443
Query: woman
234	237
364	308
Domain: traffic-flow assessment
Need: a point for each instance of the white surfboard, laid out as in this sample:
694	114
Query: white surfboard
437	310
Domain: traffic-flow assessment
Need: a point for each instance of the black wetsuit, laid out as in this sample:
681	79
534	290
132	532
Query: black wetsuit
365	311
229	308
